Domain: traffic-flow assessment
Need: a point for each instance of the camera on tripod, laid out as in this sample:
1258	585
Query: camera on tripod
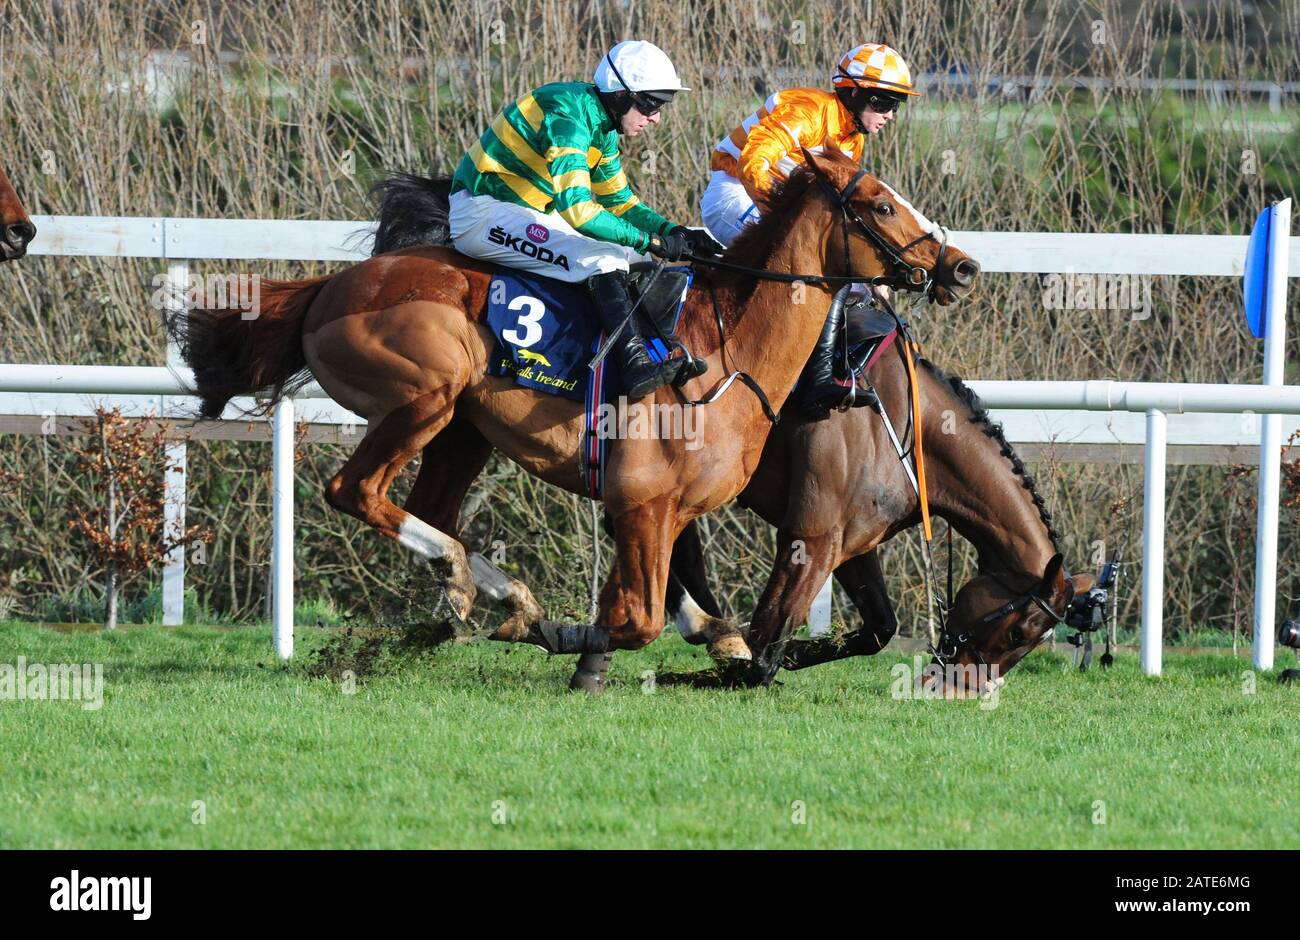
1289	635
1087	614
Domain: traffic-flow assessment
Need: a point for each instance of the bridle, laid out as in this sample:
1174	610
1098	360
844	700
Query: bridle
907	276
917	278
951	646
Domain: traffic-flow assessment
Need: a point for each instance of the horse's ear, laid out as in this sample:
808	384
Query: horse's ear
1083	583
820	166
1053	574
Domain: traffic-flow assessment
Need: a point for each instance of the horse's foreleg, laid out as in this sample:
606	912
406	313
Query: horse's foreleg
802	565
451	463
632	600
360	489
697	613
631	603
864	581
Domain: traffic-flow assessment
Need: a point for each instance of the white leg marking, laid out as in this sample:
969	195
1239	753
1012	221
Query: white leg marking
690	617
491	580
424	539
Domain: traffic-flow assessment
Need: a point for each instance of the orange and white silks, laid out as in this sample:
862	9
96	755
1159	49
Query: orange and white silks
765	148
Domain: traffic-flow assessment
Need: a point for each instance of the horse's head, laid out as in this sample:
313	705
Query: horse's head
16	228
995	620
886	235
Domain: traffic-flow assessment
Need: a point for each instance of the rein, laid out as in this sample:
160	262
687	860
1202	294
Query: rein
825	280
949	646
916	279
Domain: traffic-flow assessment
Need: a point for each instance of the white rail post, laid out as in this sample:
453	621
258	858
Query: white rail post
1153	543
174	484
1270	440
282	528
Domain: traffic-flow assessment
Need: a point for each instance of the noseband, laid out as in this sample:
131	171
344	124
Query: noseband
915	276
951	646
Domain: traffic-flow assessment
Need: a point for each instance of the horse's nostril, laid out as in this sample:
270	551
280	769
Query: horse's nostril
20	233
964	272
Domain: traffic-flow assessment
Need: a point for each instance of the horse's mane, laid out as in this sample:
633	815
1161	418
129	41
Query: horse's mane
980	415
755	243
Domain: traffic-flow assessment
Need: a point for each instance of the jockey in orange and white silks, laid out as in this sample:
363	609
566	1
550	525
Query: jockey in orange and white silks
870	81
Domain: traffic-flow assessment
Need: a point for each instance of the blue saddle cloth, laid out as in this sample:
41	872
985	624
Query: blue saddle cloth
547	331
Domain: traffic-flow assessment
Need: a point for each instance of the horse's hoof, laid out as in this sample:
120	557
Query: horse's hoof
526	613
462	601
586	682
730	648
743	674
590	675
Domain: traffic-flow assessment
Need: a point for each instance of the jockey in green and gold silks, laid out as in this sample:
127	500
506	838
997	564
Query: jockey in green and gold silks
544	190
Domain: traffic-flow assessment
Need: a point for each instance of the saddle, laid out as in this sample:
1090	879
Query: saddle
869	330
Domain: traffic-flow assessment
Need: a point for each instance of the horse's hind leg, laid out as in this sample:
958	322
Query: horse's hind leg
360	488
864	581
450	464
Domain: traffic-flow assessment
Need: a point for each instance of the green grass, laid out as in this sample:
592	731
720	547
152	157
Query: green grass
418	756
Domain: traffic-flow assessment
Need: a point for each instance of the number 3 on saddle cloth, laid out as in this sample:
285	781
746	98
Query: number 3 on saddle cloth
547	333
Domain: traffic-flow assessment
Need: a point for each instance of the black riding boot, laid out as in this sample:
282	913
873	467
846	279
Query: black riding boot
818	390
641	374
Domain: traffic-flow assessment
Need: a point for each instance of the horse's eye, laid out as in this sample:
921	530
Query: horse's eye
885	209
1015	637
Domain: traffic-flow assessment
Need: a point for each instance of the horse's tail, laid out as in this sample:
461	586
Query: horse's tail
413	211
234	352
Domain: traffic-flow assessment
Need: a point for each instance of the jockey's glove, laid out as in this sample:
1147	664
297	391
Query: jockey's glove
701	243
670	247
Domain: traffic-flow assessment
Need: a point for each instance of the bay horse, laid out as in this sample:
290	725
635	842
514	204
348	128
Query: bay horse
16	228
400	339
836	490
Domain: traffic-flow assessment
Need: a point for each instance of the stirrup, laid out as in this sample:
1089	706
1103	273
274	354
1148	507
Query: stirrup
853	396
690	368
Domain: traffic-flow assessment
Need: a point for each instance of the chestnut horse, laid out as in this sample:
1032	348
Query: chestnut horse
16	228
400	339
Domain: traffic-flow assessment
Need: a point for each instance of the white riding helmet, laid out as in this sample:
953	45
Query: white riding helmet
636	65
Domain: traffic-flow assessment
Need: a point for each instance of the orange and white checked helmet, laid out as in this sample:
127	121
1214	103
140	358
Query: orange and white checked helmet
874	65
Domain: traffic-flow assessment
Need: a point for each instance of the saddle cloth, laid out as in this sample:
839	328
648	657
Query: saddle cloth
547	330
